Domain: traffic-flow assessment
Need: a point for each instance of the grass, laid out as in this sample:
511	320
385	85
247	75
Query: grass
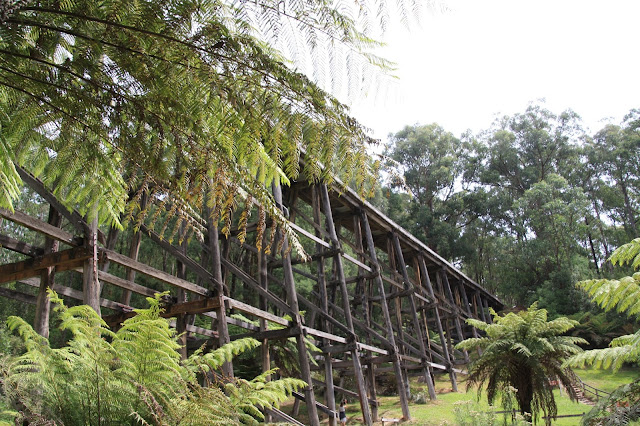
441	411
606	380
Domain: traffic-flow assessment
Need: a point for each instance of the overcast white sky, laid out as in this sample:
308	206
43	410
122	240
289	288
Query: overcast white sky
485	57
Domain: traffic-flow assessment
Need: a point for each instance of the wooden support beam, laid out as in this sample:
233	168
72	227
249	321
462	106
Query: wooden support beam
417	329
154	273
182	257
74	218
41	227
424	274
62	261
190	308
402	391
355	356
280	334
254	285
235	304
77	295
43	305
292	299
18	295
21	247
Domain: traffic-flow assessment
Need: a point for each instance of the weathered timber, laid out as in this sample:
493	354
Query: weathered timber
42	227
191	308
154	273
402	392
326	207
20	246
61	260
43	305
73	217
18	295
381	314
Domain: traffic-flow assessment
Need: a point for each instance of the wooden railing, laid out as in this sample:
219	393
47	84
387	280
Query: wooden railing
588	390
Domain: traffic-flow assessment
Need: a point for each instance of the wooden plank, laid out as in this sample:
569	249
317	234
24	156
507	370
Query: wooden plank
154	273
309	235
255	286
182	257
62	260
18	295
318	405
41	227
126	284
324	335
77	295
356	262
283	333
21	247
372	348
256	312
193	307
73	217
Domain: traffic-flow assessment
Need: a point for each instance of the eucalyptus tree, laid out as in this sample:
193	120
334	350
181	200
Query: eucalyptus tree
433	164
521	353
180	99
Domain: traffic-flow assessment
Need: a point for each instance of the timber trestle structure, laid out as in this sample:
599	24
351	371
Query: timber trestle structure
373	298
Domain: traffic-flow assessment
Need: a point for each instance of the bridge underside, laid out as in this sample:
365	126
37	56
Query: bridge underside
372	298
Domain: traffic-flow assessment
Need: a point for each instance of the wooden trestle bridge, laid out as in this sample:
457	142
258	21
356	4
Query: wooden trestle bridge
376	299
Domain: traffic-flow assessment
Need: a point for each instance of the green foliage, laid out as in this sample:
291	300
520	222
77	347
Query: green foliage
623	296
184	100
521	352
284	352
130	376
469	414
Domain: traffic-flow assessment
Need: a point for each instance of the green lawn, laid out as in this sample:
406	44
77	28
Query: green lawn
441	411
606	380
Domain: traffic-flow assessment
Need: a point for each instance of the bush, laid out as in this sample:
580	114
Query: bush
131	376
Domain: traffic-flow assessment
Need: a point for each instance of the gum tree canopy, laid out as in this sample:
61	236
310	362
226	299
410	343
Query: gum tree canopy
107	100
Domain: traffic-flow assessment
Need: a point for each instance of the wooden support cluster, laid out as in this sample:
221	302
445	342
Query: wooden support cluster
375	300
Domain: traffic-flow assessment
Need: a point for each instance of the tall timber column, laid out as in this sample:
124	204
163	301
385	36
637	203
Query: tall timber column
424	272
355	353
414	316
43	305
365	285
90	284
397	365
456	310
330	398
292	299
216	271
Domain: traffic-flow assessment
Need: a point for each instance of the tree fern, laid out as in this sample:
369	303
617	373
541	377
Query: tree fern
103	99
523	351
622	295
128	377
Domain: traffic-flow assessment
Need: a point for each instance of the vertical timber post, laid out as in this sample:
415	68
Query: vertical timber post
90	284
414	316
397	366
134	250
330	397
365	285
424	272
216	270
43	305
456	310
355	353
264	325
305	368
